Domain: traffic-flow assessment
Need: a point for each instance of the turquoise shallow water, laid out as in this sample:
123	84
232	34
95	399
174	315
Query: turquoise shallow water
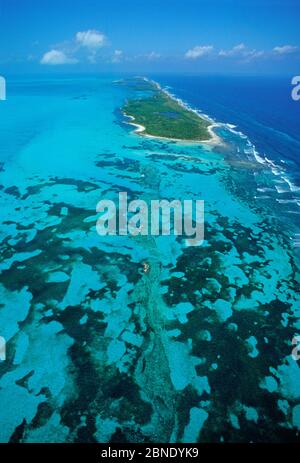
197	348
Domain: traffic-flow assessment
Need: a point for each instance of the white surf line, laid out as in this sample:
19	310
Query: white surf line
214	140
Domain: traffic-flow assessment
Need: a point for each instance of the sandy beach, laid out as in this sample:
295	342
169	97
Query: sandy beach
215	140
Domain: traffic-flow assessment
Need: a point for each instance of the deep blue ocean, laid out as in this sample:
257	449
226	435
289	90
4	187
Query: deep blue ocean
261	107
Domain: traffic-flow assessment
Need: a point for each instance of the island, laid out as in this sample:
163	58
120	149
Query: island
158	114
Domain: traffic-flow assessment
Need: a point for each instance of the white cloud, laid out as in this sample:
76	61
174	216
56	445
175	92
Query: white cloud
91	39
153	55
56	57
233	51
254	54
285	49
199	51
85	44
117	56
243	52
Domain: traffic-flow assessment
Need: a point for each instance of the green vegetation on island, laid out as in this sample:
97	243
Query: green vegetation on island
163	116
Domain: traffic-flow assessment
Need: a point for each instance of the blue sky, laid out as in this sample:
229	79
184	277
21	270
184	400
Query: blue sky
214	36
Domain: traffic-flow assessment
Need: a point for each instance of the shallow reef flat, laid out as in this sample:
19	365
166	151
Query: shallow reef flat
195	348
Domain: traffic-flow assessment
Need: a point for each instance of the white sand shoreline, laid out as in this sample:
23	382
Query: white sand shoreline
140	129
